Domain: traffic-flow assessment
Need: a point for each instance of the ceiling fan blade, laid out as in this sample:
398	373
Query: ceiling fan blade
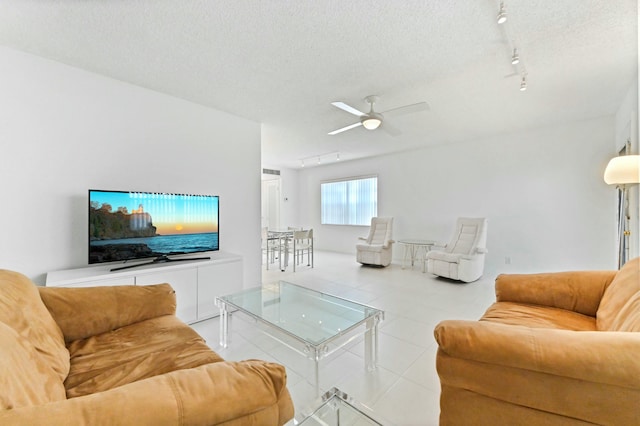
407	109
344	129
391	130
347	108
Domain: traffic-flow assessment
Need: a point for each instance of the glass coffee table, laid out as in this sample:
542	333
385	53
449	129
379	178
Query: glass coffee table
336	408
312	323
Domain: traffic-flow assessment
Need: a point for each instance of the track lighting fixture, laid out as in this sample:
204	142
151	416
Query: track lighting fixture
512	41
502	14
523	83
324	158
515	58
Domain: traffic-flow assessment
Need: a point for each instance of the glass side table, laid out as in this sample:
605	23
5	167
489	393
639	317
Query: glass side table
336	408
415	249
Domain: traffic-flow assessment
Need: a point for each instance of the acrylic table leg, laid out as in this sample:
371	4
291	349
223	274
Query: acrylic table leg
313	354
371	344
224	325
317	376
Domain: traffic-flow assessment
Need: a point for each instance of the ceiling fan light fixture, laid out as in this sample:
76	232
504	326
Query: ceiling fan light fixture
502	14
371	121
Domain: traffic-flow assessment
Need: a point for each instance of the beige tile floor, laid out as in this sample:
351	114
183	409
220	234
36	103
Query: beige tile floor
405	387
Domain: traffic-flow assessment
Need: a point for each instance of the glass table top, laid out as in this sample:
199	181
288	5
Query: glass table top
306	314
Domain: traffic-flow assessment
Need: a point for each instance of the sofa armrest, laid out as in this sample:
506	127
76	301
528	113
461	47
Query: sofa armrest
87	311
210	394
575	291
594	356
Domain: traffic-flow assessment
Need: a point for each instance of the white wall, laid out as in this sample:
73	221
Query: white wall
64	130
542	191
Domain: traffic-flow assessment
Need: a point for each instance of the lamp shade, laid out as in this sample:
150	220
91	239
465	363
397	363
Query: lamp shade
371	121
624	169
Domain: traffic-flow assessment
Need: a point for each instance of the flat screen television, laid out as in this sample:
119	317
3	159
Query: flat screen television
149	225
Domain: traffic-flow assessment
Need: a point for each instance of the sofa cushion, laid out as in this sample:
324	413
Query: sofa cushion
87	311
22	309
26	379
444	256
538	317
628	319
616	310
376	248
131	353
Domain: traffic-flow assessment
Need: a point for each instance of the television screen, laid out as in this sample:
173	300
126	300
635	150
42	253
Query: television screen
136	225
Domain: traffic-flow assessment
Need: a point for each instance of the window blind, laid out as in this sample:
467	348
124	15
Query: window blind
349	201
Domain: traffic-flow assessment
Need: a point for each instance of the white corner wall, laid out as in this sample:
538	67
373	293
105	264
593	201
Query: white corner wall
542	191
64	131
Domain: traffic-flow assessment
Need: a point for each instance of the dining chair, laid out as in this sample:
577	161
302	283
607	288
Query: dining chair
269	246
302	241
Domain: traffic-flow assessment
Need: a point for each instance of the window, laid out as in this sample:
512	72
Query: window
349	202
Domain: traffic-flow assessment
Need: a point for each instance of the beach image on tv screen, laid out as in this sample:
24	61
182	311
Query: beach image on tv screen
129	225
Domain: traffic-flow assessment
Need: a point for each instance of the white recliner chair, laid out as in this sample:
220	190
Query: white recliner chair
463	258
377	247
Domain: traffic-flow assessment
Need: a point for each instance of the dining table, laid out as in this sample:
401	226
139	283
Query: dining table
283	236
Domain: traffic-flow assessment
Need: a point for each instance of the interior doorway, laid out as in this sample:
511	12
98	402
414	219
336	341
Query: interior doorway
271	202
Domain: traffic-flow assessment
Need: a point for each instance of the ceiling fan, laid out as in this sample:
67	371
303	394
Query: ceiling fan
372	119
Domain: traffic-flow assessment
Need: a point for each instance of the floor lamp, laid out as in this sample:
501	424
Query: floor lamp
623	171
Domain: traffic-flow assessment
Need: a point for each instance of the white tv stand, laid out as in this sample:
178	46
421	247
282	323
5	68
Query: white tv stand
197	283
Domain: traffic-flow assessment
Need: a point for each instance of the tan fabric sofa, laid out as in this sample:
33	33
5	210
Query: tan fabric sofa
555	349
118	355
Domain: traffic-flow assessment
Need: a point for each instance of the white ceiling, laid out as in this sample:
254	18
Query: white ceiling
282	62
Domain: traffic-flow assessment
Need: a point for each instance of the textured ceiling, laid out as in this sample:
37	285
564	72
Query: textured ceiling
283	62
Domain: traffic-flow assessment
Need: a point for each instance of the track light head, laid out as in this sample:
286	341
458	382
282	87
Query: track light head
515	58
502	14
523	84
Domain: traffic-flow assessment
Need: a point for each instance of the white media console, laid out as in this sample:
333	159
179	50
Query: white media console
197	282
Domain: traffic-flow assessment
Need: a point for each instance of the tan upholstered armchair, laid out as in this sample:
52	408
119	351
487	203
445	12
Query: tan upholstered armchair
376	249
119	355
555	349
